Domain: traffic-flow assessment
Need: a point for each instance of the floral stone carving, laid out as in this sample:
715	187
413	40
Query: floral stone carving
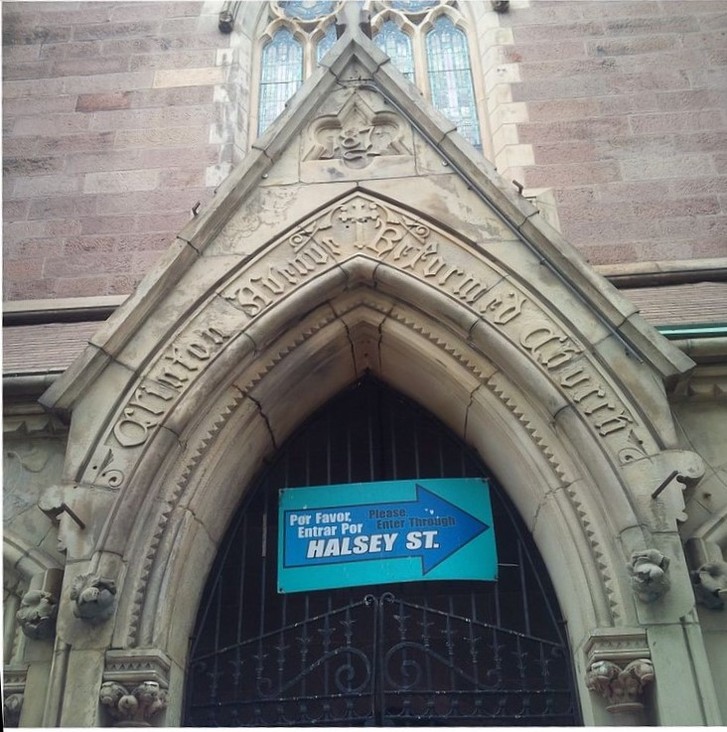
95	597
135	708
621	687
12	707
710	584
649	574
37	614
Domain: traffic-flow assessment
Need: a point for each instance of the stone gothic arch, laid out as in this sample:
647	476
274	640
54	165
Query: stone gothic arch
353	243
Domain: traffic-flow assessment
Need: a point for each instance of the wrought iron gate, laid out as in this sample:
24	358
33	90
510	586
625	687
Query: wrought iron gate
421	653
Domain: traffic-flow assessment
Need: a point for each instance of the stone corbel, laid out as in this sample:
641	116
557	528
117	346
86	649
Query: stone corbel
38	609
619	667
94	598
706	555
134	690
710	585
37	614
649	570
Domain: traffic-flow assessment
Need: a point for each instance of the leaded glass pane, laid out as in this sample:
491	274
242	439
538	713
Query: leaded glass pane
307	9
397	46
450	78
413	6
281	75
325	44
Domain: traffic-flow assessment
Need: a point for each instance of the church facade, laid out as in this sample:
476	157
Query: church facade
364	299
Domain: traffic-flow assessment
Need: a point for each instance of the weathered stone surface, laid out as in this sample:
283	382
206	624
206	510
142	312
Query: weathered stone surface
343	244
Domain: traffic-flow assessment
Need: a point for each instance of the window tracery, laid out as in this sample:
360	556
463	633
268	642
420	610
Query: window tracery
439	60
425	39
296	37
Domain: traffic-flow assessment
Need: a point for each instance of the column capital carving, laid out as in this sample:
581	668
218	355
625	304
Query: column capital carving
135	708
12	707
135	683
621	687
619	667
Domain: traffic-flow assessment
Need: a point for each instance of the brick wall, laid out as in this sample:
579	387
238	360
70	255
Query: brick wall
113	129
627	118
119	116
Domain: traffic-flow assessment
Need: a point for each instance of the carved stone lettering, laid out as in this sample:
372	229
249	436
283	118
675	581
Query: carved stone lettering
501	310
362	225
165	381
549	348
356	135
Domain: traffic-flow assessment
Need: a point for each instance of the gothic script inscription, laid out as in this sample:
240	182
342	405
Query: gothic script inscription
362	225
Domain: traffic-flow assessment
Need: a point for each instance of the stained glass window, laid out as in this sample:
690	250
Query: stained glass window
450	78
413	6
324	45
281	75
307	9
397	45
421	37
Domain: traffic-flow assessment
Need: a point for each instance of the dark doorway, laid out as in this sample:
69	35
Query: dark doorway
409	654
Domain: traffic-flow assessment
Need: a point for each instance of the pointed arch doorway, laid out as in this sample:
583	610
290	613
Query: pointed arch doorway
408	654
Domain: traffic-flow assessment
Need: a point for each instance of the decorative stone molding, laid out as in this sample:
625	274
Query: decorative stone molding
710	585
135	708
620	687
356	135
649	574
131	666
13	694
618	645
37	614
12	707
143	671
94	597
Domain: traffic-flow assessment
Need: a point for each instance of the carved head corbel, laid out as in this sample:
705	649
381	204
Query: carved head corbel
649	574
37	614
710	585
94	597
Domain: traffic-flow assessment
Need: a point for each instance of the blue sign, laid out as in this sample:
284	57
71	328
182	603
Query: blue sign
395	531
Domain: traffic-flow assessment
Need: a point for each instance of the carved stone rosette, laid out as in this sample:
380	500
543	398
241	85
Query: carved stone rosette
135	708
621	687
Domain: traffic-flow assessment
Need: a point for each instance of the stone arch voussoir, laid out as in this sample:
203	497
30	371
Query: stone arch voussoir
365	285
